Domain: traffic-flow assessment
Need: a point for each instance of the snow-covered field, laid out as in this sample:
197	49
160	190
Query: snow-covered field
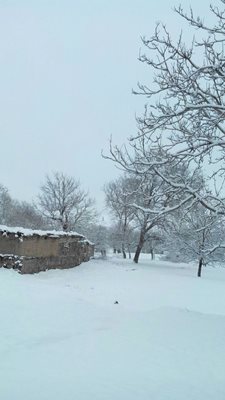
63	338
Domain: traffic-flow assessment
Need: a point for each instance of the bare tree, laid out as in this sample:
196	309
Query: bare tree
184	119
198	236
119	198
182	129
63	201
186	110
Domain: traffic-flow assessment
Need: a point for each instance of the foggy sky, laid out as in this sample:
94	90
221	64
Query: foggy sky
67	70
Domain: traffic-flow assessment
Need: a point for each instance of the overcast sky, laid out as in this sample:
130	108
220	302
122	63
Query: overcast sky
67	70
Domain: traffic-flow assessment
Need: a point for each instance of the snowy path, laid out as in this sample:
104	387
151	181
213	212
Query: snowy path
63	338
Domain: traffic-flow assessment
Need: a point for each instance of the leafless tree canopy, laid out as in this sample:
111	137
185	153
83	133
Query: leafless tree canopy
184	119
62	200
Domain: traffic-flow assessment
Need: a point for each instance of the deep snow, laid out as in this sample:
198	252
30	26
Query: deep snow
63	338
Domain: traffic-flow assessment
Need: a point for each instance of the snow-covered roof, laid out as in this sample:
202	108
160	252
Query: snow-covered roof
30	232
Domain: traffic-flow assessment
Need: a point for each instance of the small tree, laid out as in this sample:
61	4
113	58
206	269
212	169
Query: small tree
198	235
63	201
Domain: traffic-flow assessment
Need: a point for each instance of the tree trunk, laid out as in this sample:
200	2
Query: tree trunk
139	247
152	253
65	224
123	251
200	267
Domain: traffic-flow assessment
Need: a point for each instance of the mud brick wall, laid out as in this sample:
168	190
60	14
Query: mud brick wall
35	253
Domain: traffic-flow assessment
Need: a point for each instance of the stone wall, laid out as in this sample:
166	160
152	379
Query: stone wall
10	261
40	250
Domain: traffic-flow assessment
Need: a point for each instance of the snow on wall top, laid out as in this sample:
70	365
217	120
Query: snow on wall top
18	231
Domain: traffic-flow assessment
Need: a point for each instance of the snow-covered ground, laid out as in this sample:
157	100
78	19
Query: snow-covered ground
63	338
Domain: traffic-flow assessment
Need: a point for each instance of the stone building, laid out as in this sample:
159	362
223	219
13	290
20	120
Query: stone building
30	251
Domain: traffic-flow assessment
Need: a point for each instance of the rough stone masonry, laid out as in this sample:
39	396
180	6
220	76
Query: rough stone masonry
30	251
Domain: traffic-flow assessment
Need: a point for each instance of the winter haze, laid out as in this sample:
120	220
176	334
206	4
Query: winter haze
67	72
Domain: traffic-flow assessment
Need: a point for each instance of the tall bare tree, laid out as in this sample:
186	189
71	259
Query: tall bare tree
185	115
184	119
63	201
